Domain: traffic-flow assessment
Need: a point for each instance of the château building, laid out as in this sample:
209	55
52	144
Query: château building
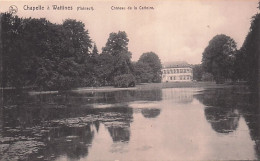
177	72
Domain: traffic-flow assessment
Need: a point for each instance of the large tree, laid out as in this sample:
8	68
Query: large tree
117	47
197	72
250	51
219	57
143	72
42	54
153	61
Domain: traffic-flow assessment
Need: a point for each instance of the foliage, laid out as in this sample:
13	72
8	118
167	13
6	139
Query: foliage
125	80
94	51
48	56
207	77
219	57
153	61
197	72
104	68
250	52
143	72
241	66
116	47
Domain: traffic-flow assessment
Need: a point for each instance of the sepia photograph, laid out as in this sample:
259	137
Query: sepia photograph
129	80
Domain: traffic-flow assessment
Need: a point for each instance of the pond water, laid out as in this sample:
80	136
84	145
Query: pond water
163	124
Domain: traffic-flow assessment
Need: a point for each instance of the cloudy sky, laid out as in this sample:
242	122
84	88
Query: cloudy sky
177	30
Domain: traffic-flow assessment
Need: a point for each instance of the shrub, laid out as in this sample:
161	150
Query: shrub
125	80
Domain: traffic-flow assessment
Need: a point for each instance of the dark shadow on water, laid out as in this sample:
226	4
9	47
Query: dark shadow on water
225	106
221	109
151	113
119	133
62	124
222	120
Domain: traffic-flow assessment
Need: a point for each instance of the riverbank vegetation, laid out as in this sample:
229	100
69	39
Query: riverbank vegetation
224	61
48	56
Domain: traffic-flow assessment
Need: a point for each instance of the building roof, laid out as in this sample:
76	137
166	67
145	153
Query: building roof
176	64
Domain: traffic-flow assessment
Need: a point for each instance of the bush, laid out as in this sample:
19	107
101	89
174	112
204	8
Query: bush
207	77
125	80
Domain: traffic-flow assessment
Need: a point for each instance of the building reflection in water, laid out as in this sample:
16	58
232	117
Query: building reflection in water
64	125
178	95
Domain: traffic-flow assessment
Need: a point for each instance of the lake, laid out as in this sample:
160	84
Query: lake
162	124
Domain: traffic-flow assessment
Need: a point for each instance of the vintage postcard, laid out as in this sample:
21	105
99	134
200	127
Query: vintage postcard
129	80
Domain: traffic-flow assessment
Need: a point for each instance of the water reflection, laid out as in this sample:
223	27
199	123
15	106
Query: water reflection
179	95
151	113
167	124
222	120
226	106
63	124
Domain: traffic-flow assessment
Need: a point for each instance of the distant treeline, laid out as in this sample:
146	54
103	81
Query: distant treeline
46	56
222	60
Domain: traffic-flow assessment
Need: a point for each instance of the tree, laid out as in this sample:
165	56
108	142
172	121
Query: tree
153	61
124	80
241	65
197	72
103	69
219	57
24	42
48	56
250	51
207	77
143	72
116	46
94	51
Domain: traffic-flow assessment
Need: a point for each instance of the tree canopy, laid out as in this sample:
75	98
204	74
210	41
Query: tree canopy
48	56
153	61
249	53
219	56
39	53
117	48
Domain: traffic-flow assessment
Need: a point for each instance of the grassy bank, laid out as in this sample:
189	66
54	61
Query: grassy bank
148	86
186	85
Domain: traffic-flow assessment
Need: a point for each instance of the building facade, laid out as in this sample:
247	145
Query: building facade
177	72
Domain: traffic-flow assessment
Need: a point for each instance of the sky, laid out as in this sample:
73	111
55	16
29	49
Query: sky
176	30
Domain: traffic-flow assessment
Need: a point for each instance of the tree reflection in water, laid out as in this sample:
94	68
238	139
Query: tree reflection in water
151	112
222	120
225	106
221	110
49	126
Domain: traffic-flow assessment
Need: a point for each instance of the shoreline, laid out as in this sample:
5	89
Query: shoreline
146	86
151	86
